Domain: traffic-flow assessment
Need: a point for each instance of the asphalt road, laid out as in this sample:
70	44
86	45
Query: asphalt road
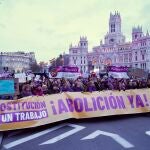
108	133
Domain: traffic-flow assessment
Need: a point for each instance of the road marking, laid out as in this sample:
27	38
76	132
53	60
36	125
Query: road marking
77	128
148	133
31	137
115	137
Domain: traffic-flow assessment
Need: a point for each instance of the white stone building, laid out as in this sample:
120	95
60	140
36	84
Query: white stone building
17	61
115	50
78	55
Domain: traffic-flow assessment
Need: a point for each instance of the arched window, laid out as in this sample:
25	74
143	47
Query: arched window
112	27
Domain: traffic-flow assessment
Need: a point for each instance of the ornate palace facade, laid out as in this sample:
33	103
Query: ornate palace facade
114	50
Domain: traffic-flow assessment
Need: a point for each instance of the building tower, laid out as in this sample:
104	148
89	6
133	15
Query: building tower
136	33
83	43
115	23
114	36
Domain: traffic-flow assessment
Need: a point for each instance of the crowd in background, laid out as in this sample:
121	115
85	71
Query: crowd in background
52	86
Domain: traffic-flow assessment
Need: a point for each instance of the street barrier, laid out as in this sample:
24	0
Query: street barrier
35	111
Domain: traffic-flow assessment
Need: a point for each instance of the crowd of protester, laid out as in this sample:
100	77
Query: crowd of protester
52	86
46	85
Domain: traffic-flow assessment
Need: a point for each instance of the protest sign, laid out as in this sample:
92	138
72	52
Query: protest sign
35	111
7	86
21	77
30	77
118	72
118	75
65	72
117	69
37	78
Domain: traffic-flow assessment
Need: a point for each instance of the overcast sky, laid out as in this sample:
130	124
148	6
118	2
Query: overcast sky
47	27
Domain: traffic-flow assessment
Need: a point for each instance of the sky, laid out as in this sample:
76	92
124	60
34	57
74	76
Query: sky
48	27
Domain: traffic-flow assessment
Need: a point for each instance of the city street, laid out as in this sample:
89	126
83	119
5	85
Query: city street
106	133
74	75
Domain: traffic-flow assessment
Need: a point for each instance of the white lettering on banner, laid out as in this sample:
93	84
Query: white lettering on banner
7	118
77	128
53	140
115	137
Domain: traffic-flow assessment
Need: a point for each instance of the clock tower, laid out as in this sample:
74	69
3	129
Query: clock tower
114	36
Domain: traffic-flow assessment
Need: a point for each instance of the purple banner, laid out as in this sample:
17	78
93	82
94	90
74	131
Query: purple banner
67	69
117	69
23	116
